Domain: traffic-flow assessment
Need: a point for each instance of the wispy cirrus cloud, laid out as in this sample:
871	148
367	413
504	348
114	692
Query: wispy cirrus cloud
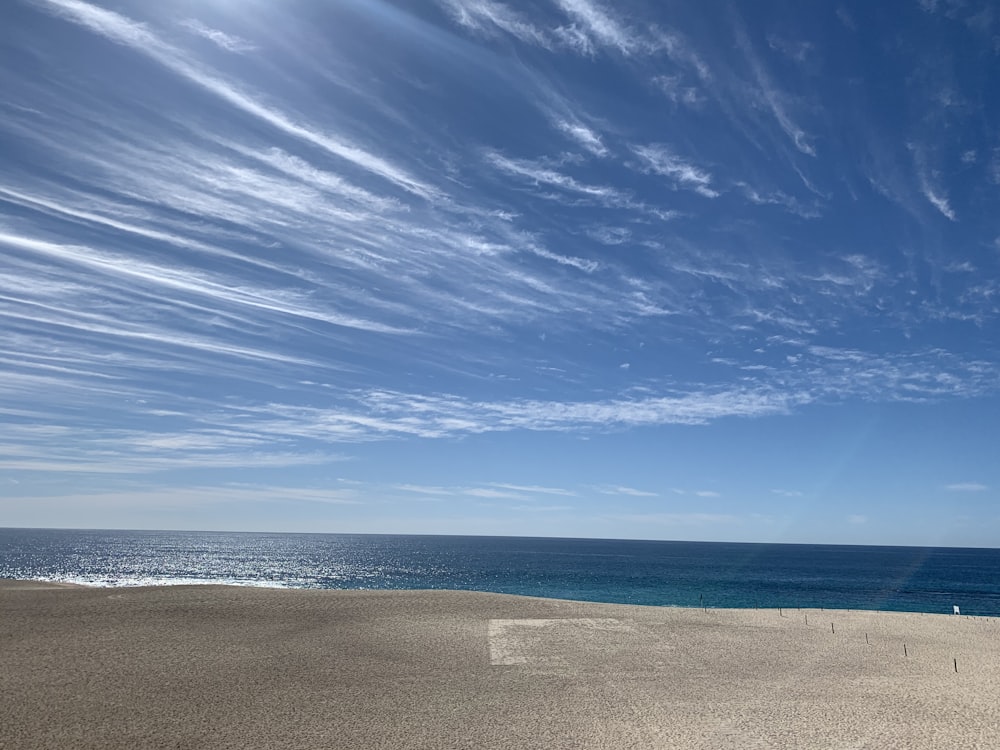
489	16
928	180
660	159
787	493
622	490
486	491
228	42
174	282
772	97
678	90
583	135
123	30
534	489
598	25
936	198
379	415
966	487
545	175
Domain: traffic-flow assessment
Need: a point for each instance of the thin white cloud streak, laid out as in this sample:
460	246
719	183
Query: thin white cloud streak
121	462
74	321
587	266
487	16
140	497
778	198
534	489
422	489
659	159
227	42
392	414
220	290
927	181
584	136
64	210
599	25
773	98
124	31
379	415
547	176
491	491
622	490
939	201
826	375
967	487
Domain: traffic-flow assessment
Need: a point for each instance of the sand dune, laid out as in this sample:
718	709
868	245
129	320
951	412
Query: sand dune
227	667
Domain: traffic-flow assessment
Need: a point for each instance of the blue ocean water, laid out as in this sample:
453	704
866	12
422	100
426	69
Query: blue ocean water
713	574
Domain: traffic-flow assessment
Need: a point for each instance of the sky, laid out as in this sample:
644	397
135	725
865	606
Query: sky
647	269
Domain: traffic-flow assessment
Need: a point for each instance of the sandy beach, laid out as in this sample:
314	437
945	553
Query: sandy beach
229	667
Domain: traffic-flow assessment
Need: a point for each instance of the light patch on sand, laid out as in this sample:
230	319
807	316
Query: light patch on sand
534	641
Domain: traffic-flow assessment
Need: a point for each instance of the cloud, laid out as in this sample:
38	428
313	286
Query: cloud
487	16
142	497
927	180
967	487
489	492
584	136
621	490
707	493
776	101
532	489
228	42
794	49
659	159
124	31
857	520
678	90
598	25
608	235
422	489
544	175
938	200
778	198
787	493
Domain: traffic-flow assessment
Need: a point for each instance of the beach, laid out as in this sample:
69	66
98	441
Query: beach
241	667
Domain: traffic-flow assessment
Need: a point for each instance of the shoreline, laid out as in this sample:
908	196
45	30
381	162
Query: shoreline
41	584
234	667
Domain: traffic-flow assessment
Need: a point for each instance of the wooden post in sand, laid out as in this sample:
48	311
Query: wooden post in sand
956	665
831	628
904	650
866	639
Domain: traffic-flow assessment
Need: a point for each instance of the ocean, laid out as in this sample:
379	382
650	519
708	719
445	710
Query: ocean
711	574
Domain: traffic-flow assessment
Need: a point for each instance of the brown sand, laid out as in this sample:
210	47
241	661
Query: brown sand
226	667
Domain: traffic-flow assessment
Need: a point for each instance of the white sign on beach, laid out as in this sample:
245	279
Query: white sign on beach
954	608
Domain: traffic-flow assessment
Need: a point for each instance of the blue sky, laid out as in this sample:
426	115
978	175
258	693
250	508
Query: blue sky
670	270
